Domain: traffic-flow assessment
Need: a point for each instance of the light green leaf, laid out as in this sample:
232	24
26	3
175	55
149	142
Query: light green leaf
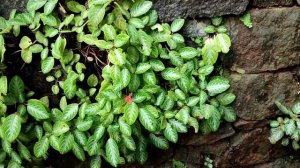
142	68
26	55
183	115
96	162
157	65
178	126
147	120
129	142
126	77
92	80
159	142
295	108
3	84
2	48
140	7
131	113
33	5
109	32
41	147
78	152
224	42
49	20
66	142
246	19
112	152
214	121
150	78
171	74
117	56
226	98
11	127
24	152
47	65
25	42
188	52
276	135
84	125
176	25
121	39
170	133
49	6
210	52
124	127
37	109
60	128
217	85
96	14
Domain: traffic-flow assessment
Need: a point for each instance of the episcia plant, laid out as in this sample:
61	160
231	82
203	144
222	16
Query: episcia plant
286	129
124	82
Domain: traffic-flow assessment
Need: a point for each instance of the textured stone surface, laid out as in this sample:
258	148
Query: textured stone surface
248	149
256	93
271	3
198	139
273	43
7	5
245	125
172	9
281	163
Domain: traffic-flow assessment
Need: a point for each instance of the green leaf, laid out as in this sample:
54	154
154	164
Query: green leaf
60	128
26	55
92	146
246	19
49	6
95	162
176	59
129	142
159	142
224	42
210	52
178	126
131	113
66	142
92	80
54	142
282	108
41	147
207	110
146	41
3	84
37	109
214	121
112	152
170	133
78	152
2	48
226	98
33	5
47	65
183	115
70	112
121	40
16	86
24	152
217	85
99	132
276	135
176	25
142	68
49	20
81	137
25	42
69	85
75	6
171	74
193	122
126	76
84	125
157	65
295	108
11	127
117	56
140	7
109	32
188	52
124	127
150	78
96	14
147	120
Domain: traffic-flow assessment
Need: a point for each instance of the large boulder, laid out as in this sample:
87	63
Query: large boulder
271	3
172	9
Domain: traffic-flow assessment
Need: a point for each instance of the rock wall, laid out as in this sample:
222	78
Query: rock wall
264	66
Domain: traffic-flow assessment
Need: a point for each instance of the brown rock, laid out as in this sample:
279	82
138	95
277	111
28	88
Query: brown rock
7	5
249	149
281	163
256	93
245	125
272	43
199	139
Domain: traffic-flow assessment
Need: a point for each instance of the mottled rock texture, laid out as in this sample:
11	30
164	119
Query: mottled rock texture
271	3
172	9
7	5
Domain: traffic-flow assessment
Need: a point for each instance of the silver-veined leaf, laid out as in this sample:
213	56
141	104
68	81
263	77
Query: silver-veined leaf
171	74
224	42
112	152
148	120
217	85
41	147
11	127
140	7
159	142
33	5
37	109
47	65
176	25
131	113
170	133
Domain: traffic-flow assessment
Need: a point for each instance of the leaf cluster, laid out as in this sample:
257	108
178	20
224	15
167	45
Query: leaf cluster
150	87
